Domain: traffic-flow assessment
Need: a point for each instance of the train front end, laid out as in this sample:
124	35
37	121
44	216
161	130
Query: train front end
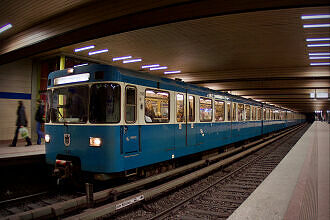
81	130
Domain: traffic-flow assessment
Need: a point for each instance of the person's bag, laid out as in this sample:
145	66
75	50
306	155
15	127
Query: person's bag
23	132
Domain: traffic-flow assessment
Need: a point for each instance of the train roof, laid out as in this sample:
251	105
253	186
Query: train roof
113	73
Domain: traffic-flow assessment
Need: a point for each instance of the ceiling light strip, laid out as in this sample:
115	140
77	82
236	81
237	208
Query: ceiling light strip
121	58
315	25
84	48
317	58
318	39
320	64
98	51
6	27
319	54
150	66
318	45
84	64
159	68
132	61
306	17
172	72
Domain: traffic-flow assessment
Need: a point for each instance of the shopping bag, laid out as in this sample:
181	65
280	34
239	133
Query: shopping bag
23	132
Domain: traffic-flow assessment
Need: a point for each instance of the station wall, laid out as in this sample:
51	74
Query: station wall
15	85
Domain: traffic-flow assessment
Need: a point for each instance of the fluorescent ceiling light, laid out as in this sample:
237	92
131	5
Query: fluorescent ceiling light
84	48
315	25
171	72
318	39
121	58
6	27
318	45
320	64
159	68
98	51
150	66
132	61
318	54
304	17
72	79
318	58
84	64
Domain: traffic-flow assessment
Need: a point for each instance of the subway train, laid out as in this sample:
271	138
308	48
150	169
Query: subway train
111	122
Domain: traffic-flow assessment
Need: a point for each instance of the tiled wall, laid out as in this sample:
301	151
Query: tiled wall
14	78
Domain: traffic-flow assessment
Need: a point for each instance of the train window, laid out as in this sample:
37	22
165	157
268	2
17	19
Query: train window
254	114
219	110
240	112
247	112
130	114
70	104
259	115
105	103
180	108
205	109
48	106
264	114
228	111
267	114
157	106
191	108
234	111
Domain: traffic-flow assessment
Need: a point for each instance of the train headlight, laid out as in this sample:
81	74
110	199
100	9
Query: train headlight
47	138
95	142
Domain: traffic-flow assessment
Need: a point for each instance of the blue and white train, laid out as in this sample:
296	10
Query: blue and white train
109	121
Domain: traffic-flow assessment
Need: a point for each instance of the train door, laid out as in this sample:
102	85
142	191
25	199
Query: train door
180	119
130	133
191	119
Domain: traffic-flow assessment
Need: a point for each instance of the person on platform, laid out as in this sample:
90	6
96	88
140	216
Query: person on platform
39	117
20	122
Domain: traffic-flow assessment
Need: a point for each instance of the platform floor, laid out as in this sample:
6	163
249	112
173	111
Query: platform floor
298	188
7	152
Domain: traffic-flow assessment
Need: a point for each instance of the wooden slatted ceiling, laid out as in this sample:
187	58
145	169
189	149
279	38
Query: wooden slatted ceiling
240	53
22	14
52	18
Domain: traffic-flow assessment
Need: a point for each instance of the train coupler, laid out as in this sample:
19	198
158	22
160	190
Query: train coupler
63	170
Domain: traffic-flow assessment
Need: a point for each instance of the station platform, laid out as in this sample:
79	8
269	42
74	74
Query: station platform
20	154
298	188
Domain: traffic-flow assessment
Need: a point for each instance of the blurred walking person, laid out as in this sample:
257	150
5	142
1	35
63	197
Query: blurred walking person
20	123
40	120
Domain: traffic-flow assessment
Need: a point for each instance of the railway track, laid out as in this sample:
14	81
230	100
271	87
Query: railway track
234	192
226	193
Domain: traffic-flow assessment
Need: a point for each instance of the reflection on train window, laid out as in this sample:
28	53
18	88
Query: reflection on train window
264	114
191	108
48	106
219	110
247	112
70	104
240	112
157	106
180	108
229	111
105	103
205	109
234	111
130	114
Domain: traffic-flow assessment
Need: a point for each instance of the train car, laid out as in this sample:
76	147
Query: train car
108	121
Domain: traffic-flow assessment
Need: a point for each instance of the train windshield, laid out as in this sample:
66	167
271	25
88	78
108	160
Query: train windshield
105	103
70	104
